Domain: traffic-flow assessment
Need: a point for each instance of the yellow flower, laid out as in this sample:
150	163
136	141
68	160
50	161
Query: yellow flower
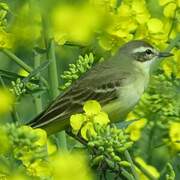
174	134
28	144
39	168
4	141
92	108
26	27
124	10
88	128
51	147
140	11
105	5
42	137
5	39
151	169
6	101
155	25
169	10
76	121
75	23
164	2
67	166
177	62
167	67
85	122
39	133
135	127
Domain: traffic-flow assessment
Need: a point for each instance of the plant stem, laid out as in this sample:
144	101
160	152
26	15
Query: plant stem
17	60
128	157
21	63
37	99
14	115
54	86
52	71
2	82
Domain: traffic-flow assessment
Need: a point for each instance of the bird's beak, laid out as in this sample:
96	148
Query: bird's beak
165	54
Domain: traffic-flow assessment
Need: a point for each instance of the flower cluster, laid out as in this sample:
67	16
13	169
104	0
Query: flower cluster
108	147
136	19
26	28
25	149
85	122
29	146
76	70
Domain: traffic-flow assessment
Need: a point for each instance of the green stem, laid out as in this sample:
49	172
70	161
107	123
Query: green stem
17	60
37	99
128	157
53	81
21	63
54	85
14	115
2	82
52	71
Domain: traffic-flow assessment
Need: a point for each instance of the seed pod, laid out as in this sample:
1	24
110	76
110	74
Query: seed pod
124	163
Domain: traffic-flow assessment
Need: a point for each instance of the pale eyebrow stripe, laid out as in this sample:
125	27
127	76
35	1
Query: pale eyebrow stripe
142	49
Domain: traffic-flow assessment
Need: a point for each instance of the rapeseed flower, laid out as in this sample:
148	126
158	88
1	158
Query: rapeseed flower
6	101
67	166
174	134
135	128
85	122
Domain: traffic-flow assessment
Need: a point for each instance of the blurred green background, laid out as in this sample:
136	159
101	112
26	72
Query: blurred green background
99	27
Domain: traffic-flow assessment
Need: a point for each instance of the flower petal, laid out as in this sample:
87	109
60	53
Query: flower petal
88	128
101	118
76	121
92	107
155	25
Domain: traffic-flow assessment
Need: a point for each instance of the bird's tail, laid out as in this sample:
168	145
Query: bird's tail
50	124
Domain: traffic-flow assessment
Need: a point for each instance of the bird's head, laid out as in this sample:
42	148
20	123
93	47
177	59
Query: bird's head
142	52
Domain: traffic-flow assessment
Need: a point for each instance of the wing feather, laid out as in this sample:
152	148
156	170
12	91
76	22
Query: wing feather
71	102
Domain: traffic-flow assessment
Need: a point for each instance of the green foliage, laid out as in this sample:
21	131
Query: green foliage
170	172
76	70
27	144
92	28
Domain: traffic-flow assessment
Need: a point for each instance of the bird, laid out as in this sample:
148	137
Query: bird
116	83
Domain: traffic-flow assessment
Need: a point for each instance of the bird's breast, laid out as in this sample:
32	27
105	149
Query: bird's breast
128	96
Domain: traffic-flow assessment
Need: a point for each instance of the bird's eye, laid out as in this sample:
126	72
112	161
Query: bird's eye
148	51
